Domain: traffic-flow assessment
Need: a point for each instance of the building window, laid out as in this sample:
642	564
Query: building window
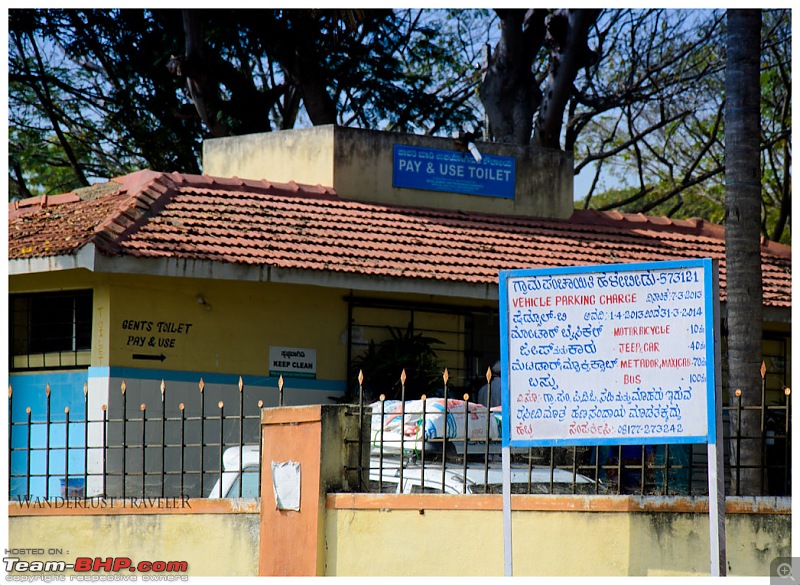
466	341
50	330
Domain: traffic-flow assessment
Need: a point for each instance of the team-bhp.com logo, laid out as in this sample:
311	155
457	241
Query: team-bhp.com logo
95	565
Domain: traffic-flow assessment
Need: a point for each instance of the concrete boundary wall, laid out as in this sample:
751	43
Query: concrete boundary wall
213	537
447	535
338	533
348	534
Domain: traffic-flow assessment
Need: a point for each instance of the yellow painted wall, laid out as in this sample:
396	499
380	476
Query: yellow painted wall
211	544
545	543
230	333
53	281
221	326
233	328
101	326
667	544
454	537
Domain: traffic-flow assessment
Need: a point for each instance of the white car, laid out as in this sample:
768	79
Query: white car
234	473
384	477
476	479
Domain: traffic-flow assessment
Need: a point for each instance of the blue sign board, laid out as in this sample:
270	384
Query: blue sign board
435	169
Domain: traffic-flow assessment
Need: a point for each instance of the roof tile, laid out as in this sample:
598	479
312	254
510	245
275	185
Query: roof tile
289	225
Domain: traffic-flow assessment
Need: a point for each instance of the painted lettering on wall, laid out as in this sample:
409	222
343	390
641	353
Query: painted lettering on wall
154	334
599	356
100	337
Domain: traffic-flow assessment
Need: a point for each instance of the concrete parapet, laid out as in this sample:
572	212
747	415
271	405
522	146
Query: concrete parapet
358	164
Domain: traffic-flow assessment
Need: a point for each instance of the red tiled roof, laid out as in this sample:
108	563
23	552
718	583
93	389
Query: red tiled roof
286	225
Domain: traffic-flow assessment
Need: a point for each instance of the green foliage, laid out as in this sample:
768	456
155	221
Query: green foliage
90	98
382	364
43	158
694	203
96	84
659	147
91	95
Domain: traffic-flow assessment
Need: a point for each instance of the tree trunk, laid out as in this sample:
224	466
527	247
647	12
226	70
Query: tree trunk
509	91
567	31
202	90
742	236
304	66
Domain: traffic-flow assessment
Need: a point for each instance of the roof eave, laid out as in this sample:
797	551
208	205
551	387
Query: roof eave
82	258
206	269
88	258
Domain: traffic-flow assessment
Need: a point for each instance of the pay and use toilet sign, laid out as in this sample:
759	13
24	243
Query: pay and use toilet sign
617	354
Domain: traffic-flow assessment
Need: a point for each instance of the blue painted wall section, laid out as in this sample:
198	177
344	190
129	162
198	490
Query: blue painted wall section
29	391
67	391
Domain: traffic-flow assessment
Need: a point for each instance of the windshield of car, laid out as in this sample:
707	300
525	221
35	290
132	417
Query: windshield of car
249	482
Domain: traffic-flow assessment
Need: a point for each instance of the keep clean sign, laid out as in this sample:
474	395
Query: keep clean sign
292	362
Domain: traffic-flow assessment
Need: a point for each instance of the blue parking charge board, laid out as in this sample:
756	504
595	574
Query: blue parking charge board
435	169
609	355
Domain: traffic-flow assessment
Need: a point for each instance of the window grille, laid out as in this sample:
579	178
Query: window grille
50	330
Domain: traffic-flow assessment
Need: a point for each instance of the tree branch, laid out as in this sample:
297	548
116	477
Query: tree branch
43	94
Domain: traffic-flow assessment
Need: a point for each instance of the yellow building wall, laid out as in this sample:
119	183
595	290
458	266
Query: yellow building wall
54	281
101	326
217	326
224	326
204	325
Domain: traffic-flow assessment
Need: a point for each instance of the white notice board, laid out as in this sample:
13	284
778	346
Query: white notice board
616	354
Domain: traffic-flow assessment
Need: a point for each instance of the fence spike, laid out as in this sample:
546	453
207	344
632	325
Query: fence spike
163	388
123	386
763	370
403	376
220	404
66	410
47	389
28	410
85	390
361	377
9	390
489	375
143	407
738	392
280	382
201	385
260	403
241	385
181	406
445	376
787	391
